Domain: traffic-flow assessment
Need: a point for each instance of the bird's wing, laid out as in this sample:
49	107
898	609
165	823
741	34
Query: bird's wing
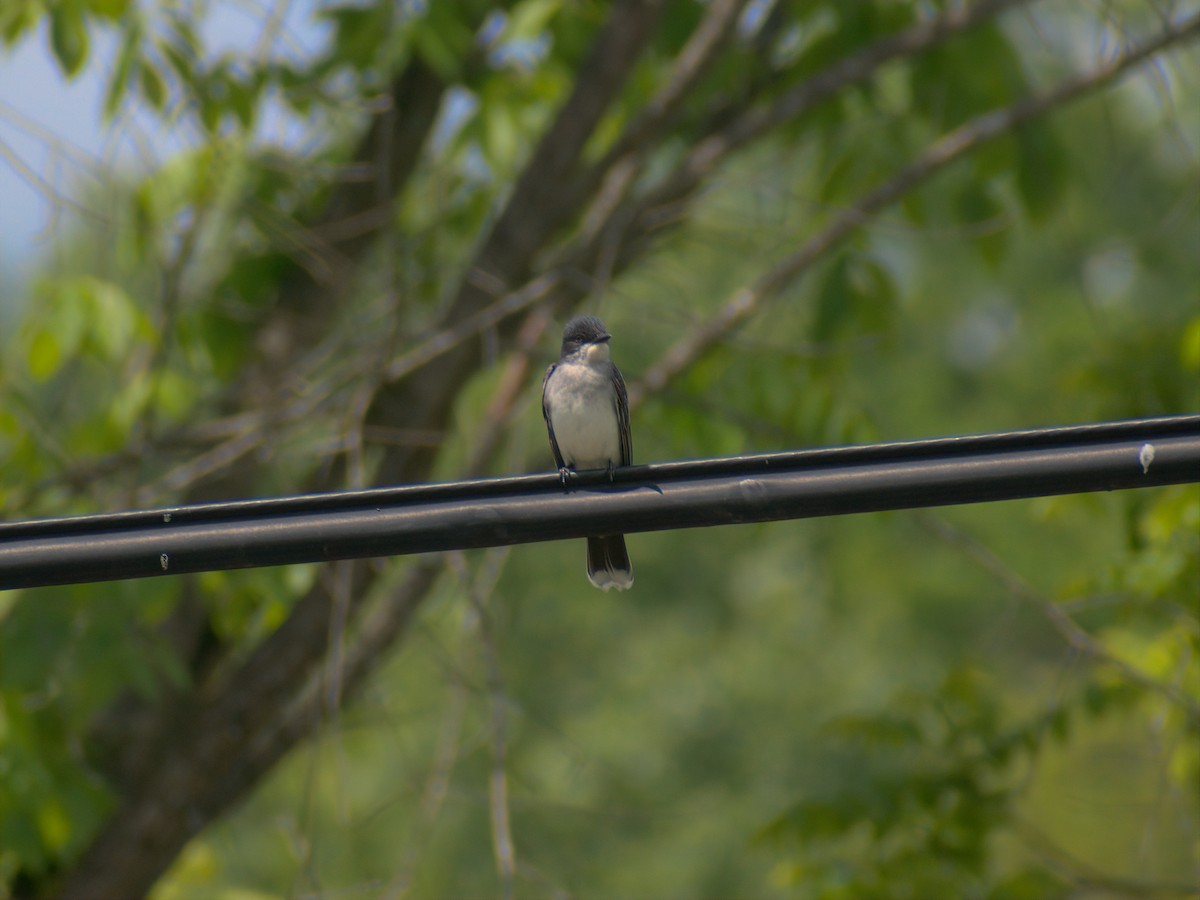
546	415
622	417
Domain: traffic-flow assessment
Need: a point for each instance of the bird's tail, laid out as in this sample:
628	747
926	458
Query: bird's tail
608	562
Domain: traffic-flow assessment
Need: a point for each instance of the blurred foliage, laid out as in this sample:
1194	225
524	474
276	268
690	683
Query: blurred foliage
828	709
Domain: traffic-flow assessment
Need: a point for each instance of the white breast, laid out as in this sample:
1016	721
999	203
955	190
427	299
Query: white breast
584	417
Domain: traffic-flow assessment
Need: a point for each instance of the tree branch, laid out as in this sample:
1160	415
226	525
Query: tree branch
728	131
613	179
538	206
238	725
240	721
939	155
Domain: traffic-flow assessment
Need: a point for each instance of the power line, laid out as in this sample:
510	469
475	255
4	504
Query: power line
522	509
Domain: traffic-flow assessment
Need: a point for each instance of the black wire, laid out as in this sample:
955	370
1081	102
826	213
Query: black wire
520	509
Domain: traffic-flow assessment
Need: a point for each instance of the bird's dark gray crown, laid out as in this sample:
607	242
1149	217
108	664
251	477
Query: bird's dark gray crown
583	330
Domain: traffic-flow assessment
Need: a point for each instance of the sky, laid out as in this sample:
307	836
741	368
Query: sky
53	139
50	130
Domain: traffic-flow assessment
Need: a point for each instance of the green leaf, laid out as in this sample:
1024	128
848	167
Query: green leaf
437	52
359	33
210	113
985	220
17	17
28	642
54	826
444	39
69	37
965	77
182	51
857	297
296	87
243	99
1031	884
501	135
1041	170
114	317
118	84
815	820
833	301
109	9
44	355
81	312
529	19
174	395
1189	347
881	730
152	86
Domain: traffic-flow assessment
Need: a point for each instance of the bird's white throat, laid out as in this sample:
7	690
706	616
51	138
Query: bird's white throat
598	354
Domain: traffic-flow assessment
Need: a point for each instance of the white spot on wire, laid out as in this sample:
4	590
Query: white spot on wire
163	561
1145	457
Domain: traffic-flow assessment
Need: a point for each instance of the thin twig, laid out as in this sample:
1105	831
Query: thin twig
433	796
1085	877
503	846
241	714
936	157
451	336
616	172
607	223
1075	636
691	64
730	132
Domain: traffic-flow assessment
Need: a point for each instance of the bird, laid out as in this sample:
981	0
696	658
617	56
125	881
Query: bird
586	408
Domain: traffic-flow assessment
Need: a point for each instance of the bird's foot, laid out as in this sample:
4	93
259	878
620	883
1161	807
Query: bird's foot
564	475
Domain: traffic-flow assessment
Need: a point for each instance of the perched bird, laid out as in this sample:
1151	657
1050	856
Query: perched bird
587	414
